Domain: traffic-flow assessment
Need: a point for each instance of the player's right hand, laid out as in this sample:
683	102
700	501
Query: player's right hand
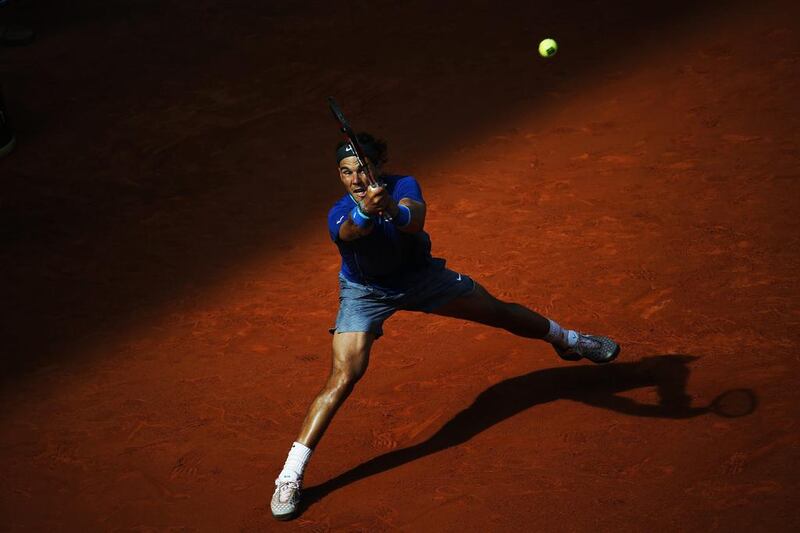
376	201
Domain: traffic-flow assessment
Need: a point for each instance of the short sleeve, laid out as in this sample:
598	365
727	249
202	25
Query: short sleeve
336	217
408	187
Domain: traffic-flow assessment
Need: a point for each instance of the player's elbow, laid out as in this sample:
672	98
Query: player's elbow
416	215
350	232
415	226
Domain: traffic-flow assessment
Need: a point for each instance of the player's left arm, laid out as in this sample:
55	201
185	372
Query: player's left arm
414	209
408	213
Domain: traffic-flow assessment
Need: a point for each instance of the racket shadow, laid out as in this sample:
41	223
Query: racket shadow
598	386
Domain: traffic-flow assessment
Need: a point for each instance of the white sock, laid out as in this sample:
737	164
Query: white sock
295	462
561	337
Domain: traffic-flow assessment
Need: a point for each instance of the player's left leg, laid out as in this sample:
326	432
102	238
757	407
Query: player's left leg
480	306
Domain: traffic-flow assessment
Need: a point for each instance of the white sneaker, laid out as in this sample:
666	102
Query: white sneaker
286	499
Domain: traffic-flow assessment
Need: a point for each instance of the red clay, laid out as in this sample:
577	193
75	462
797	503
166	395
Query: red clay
168	281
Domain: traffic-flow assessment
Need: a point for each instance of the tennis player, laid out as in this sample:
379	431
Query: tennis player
387	267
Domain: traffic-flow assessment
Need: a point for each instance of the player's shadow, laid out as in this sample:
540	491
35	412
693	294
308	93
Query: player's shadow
598	386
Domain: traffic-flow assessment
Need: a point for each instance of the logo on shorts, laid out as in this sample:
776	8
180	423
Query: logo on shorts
459	277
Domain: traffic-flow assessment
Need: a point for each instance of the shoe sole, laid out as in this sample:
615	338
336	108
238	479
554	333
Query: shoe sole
284	517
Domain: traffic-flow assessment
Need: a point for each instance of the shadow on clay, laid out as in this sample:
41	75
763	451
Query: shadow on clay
598	386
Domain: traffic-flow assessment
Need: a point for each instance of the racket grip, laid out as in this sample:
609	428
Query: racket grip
385	216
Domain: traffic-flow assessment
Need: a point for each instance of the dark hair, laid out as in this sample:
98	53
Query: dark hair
376	149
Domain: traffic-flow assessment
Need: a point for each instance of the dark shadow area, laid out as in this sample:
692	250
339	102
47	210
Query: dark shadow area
597	386
162	143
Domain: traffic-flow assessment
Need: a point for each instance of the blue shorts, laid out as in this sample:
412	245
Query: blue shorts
365	308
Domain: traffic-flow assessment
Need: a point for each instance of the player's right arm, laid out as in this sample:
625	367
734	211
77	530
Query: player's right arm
349	221
350	231
360	220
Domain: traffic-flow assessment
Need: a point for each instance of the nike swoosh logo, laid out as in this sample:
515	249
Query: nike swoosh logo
340	220
458	278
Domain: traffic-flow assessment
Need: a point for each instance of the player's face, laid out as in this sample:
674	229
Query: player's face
354	178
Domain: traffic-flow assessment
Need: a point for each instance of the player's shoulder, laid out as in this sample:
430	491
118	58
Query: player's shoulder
393	179
343	203
402	182
405	186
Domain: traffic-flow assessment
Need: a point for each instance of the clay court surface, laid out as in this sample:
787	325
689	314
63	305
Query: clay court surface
167	280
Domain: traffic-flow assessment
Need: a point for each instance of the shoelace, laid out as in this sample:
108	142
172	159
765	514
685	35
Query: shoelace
587	343
287	489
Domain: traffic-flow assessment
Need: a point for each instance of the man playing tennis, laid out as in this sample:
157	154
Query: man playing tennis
387	267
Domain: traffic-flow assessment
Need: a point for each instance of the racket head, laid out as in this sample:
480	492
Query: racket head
734	403
339	116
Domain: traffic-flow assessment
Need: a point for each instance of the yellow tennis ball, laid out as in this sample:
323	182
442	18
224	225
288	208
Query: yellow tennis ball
548	47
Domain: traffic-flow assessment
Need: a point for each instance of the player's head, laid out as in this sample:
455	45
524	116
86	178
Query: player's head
353	177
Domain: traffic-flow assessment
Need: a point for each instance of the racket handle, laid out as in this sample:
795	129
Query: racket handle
385	216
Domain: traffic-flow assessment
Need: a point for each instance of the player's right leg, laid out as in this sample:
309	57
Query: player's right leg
350	359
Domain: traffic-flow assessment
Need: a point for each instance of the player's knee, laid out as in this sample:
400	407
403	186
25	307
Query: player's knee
508	315
339	387
499	312
507	310
343	380
496	307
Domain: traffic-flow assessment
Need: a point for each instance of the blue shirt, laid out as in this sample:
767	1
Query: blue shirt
387	258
